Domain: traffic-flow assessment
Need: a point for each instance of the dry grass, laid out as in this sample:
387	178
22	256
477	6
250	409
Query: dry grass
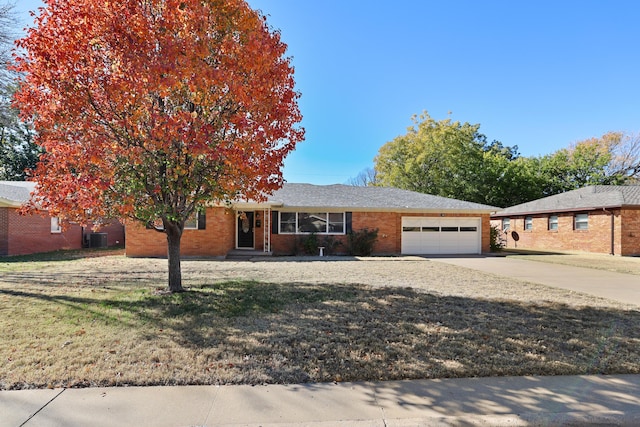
99	322
627	265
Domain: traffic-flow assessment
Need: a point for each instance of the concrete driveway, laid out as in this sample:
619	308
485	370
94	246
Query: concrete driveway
615	286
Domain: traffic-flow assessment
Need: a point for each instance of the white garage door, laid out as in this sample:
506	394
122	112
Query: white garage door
421	236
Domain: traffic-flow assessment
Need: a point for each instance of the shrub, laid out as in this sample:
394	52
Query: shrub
330	243
360	243
307	244
497	242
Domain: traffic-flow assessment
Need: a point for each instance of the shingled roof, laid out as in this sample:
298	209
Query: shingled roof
308	196
15	193
349	197
587	198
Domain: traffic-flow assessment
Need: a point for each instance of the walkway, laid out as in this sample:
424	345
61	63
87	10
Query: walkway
510	401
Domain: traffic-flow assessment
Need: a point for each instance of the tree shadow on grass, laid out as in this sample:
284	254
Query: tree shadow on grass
296	333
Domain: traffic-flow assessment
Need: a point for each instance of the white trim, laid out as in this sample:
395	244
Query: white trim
55	225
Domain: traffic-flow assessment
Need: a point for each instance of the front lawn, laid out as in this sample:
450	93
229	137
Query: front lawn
88	322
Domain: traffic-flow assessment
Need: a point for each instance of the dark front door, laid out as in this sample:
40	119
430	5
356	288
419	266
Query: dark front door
245	230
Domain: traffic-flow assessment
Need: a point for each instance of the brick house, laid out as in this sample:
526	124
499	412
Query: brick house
600	219
27	234
407	223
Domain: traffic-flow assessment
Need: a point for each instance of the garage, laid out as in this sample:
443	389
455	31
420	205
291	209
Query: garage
433	236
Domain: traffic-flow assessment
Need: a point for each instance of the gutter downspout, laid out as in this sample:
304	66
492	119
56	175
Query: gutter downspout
612	252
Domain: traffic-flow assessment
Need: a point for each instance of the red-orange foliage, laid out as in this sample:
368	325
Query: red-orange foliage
150	108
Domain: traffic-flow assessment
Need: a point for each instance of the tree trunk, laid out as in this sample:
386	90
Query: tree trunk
174	234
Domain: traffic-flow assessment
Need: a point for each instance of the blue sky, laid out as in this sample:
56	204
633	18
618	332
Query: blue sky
538	74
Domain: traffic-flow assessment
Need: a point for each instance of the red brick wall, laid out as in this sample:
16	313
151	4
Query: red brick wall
4	231
217	239
630	231
389	225
596	239
28	234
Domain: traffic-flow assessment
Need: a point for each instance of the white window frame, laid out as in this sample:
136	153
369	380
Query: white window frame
194	216
528	223
55	225
506	224
581	222
327	223
552	224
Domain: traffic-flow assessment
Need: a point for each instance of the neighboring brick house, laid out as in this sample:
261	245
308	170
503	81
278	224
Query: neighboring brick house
27	234
601	219
407	223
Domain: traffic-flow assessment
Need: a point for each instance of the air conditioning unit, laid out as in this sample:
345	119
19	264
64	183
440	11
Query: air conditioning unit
98	240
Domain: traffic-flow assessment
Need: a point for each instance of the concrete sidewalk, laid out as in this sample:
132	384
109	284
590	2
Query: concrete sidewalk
510	401
607	284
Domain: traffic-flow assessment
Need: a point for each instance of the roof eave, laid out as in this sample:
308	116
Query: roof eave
549	211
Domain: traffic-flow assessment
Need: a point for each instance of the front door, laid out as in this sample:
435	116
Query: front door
245	231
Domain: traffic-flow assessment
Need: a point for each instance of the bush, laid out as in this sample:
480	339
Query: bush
310	244
360	243
497	242
307	244
330	243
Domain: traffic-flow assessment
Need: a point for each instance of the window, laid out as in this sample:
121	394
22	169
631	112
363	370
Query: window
528	223
192	222
553	222
287	222
506	224
336	223
312	222
466	229
581	222
55	225
197	221
449	229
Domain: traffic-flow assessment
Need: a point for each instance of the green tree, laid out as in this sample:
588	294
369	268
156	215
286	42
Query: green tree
595	161
18	150
450	159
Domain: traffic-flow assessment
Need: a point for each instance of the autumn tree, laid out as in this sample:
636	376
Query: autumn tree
153	109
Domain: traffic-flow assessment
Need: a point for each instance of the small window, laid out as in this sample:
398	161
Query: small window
192	222
336	223
449	229
55	225
467	229
528	223
411	229
553	222
581	222
506	224
287	222
431	229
